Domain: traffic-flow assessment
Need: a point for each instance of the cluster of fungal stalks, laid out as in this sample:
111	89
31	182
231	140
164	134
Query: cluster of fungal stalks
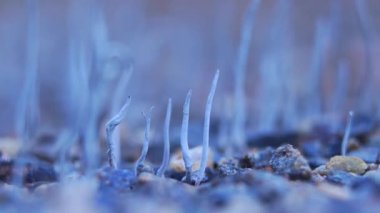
191	177
93	87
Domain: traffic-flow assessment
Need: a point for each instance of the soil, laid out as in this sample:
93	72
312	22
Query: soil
292	174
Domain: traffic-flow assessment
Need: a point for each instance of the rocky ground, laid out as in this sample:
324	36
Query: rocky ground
304	172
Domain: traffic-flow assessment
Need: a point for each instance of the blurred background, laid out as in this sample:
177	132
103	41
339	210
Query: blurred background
72	64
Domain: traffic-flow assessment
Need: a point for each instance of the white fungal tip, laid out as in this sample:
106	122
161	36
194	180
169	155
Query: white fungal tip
351	113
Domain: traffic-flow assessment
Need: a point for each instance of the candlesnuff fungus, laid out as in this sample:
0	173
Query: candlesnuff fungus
342	86
347	133
28	109
166	156
145	148
110	128
322	34
369	36
184	136
206	128
28	112
117	103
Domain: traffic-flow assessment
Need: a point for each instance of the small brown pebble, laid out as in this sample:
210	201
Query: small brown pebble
347	164
177	164
145	177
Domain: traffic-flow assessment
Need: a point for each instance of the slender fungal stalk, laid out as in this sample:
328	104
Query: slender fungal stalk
28	110
184	136
145	148
238	132
110	128
339	97
366	26
347	133
27	116
206	129
165	158
64	141
98	82
341	86
116	104
315	104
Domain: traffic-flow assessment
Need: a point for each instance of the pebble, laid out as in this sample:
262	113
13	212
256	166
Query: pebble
288	161
347	164
177	164
145	177
228	167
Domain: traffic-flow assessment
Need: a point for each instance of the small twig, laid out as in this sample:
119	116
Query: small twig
110	128
145	148
206	129
165	159
347	133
